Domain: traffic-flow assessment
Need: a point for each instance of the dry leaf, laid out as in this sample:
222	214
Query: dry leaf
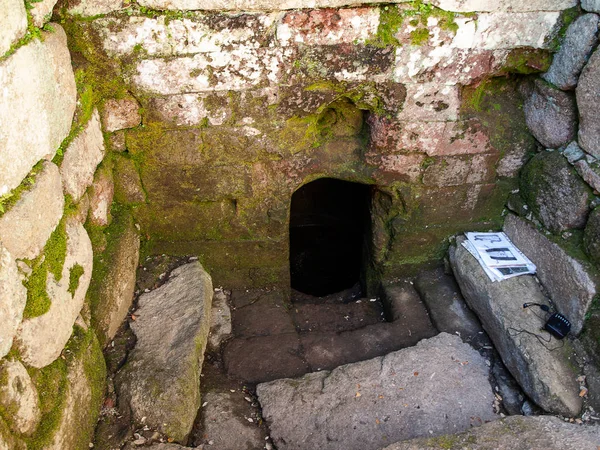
416	373
357	394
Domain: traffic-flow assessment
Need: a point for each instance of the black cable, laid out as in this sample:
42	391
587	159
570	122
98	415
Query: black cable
540	339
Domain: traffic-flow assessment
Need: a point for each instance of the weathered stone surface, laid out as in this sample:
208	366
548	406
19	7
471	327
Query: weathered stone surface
591	236
447	308
570	284
41	339
127	183
39	94
551	115
19	396
581	37
8	441
547	377
500	5
113	294
588	97
41	12
368	404
224	427
118	114
554	191
430	101
101	197
573	153
591	175
460	170
26	227
86	378
220	323
591	5
171	328
508	388
88	8
545	432
13	23
82	157
14	297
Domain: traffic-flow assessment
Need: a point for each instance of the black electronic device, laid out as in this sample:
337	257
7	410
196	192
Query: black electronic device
558	326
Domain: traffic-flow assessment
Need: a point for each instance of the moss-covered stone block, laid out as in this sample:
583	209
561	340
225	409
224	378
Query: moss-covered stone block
591	237
128	185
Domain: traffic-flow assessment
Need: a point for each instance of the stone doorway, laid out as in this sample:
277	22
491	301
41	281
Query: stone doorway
329	220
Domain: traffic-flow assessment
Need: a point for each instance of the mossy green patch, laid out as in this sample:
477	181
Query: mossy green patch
390	21
419	36
75	274
7	201
567	17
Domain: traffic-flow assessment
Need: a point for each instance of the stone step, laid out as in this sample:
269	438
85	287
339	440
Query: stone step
437	387
546	371
331	317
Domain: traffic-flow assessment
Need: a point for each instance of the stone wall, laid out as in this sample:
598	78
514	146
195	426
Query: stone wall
216	118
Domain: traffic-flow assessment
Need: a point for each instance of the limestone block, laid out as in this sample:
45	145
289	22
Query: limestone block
171	328
503	5
367	404
551	115
26	227
547	432
88	8
119	114
578	44
506	30
591	175
82	157
459	170
188	110
101	197
569	282
547	377
41	339
13	23
404	166
38	95
591	5
114	292
42	11
555	193
19	396
430	102
588	98
14	298
591	236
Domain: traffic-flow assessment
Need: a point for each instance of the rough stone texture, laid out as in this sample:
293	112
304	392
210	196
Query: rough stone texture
119	114
19	396
86	378
220	323
114	292
588	97
447	308
554	191
160	381
508	388
591	5
430	101
591	236
41	339
591	175
101	197
541	432
88	8
38	94
573	153
547	377
581	37
551	115
368	404
569	282
82	157
128	186
13	23
26	227
224	427
42	11
14	298
8	441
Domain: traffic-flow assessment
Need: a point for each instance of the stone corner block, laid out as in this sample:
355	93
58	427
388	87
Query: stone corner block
118	114
13	23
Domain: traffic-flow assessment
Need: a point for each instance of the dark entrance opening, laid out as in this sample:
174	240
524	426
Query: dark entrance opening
328	221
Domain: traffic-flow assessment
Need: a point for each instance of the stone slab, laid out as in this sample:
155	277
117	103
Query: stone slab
575	50
588	98
41	339
220	323
160	381
19	396
13	23
14	297
546	376
590	175
41	12
591	5
26	227
101	197
439	386
268	315
89	8
336	317
570	283
118	114
39	94
82	157
541	432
